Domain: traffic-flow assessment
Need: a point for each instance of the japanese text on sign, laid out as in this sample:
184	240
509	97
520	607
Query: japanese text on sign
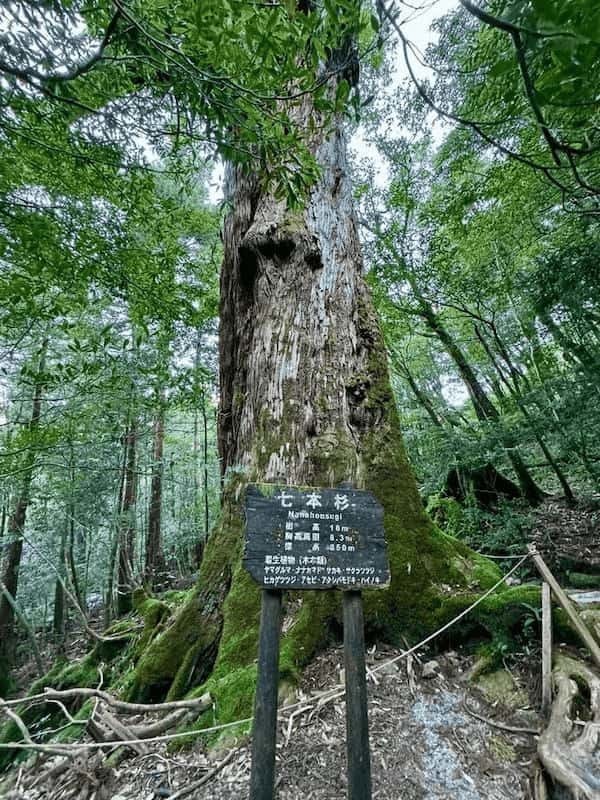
315	539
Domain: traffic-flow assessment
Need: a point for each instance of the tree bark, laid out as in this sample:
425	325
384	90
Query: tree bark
155	562
127	528
305	400
16	526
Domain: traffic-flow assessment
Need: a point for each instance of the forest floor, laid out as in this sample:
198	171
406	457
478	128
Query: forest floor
435	735
568	535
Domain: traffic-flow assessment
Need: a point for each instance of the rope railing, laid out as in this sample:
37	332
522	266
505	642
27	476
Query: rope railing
328	695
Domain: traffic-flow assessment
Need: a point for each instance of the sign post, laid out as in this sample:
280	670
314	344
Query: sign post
313	539
264	737
357	720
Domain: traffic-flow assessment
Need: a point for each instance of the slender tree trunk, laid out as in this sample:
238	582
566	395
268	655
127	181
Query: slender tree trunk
20	616
574	352
5	491
109	604
154	570
71	558
484	408
194	551
16	527
538	362
58	623
205	470
420	396
514	390
4	514
126	550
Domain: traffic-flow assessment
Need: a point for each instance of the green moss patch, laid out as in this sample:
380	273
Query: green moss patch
499	687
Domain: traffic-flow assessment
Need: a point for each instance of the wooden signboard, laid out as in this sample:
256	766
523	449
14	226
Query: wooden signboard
313	539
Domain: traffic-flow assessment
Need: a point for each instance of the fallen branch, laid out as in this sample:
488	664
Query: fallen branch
156	728
27	742
205	779
121	731
48	695
501	725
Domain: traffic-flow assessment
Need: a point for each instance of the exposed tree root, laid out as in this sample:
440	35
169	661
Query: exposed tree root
83	773
569	747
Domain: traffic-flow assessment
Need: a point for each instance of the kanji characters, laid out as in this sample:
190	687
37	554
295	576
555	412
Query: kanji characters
314	500
341	502
286	499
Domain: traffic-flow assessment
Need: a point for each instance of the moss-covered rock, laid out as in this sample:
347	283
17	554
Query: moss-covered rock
499	687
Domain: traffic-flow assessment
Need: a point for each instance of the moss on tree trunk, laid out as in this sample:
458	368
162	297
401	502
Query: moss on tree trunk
305	400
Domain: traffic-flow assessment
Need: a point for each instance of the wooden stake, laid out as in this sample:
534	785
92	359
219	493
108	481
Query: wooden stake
264	727
357	721
586	636
546	648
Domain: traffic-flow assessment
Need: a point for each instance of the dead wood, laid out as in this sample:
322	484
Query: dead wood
546	648
163	725
539	788
121	731
187	790
197	704
568	748
500	725
79	770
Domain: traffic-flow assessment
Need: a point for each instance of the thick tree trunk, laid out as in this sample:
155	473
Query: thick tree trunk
155	562
305	400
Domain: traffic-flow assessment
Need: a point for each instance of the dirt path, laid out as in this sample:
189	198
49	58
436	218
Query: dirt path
425	745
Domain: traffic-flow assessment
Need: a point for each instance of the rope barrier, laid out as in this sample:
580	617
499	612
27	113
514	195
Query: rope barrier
119	742
327	695
500	558
455	619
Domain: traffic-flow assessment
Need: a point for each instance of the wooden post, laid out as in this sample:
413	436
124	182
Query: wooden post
264	727
357	721
546	648
562	598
